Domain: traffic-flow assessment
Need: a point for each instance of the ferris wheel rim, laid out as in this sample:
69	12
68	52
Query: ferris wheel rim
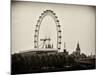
39	21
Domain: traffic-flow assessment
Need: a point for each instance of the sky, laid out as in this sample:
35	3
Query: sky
77	24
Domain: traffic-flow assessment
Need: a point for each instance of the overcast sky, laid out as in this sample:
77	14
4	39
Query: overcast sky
77	24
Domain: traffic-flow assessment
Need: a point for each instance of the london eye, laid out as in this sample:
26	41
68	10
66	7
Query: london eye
38	25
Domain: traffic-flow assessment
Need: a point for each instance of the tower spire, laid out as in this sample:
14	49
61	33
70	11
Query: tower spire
78	47
78	50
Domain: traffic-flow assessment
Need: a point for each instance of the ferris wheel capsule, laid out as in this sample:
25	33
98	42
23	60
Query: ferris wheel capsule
59	42
36	25
59	30
35	46
35	35
35	41
54	13
57	20
56	17
45	11
40	16
59	48
36	30
42	13
59	36
58	25
51	11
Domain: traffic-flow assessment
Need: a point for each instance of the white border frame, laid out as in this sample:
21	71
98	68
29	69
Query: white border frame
5	36
80	2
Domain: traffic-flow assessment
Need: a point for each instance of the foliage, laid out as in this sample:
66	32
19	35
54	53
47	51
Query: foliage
31	62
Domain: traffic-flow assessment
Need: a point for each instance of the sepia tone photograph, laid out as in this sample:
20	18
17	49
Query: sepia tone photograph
52	37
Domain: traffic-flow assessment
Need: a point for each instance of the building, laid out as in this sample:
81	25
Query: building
77	52
64	50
